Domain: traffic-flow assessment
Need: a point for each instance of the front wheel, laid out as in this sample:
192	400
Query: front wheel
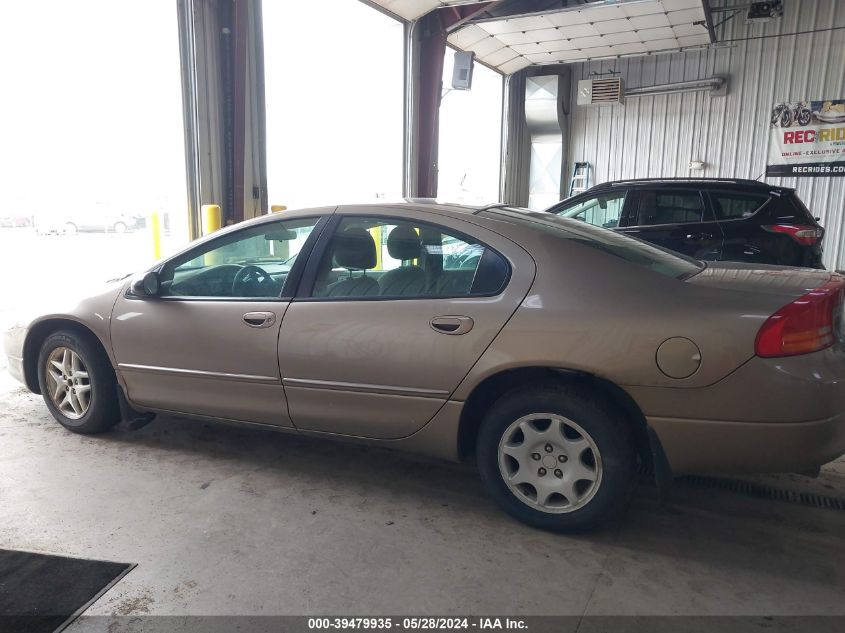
556	458
78	383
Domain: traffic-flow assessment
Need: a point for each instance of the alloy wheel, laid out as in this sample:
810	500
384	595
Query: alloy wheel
550	463
69	383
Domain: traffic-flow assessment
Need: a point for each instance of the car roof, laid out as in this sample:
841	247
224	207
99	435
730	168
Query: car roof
423	204
706	183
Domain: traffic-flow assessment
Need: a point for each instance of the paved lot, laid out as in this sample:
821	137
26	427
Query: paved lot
223	520
38	268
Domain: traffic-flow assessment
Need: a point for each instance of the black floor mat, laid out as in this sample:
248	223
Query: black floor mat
40	593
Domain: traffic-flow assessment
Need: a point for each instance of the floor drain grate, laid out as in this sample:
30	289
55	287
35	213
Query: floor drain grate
767	492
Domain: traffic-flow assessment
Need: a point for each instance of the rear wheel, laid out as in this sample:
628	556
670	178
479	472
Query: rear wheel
78	383
70	228
119	227
556	458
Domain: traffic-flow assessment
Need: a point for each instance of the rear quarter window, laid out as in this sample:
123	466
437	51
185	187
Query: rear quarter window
627	248
787	209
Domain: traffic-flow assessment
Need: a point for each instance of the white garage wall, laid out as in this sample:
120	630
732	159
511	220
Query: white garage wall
658	136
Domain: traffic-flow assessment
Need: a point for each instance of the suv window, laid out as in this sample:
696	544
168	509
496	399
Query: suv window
668	207
787	208
736	206
253	262
397	258
600	210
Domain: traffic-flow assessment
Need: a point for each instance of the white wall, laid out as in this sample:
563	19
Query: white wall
658	136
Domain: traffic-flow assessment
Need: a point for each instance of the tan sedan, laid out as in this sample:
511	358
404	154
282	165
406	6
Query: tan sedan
557	354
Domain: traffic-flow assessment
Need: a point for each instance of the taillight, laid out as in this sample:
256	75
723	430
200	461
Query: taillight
801	233
810	323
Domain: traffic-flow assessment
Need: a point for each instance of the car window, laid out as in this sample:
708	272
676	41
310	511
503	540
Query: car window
393	258
787	208
251	263
600	210
736	206
625	247
668	207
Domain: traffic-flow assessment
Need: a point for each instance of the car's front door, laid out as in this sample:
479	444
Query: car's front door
207	345
395	311
674	218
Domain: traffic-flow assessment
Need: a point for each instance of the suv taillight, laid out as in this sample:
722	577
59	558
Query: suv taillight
809	324
801	233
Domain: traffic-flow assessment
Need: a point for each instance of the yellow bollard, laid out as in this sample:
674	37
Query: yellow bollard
212	218
155	226
376	233
275	208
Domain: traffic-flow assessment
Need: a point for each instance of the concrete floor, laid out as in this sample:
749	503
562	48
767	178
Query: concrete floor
224	520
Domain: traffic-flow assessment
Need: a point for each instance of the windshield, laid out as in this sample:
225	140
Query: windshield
631	249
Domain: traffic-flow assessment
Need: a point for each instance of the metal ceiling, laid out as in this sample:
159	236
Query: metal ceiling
568	32
413	9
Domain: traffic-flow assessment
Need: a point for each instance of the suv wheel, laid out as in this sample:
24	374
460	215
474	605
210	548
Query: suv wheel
78	383
556	458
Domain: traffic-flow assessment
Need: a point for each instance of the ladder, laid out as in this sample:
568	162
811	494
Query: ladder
580	178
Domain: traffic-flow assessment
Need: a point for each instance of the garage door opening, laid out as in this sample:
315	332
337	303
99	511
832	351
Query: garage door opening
93	145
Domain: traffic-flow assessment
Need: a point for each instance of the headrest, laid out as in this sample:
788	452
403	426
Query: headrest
404	243
355	248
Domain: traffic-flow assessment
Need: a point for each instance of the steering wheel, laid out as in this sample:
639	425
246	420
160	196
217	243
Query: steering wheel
252	281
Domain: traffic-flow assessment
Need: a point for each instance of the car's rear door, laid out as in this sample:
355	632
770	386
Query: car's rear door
207	345
675	218
357	361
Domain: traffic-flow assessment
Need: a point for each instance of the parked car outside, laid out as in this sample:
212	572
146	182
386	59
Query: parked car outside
15	221
557	354
709	219
94	217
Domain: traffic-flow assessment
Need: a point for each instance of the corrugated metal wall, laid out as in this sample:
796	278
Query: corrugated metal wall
659	135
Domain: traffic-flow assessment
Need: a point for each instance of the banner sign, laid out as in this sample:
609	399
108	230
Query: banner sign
807	138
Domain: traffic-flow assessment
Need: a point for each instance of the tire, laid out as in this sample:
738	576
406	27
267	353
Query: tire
70	229
88	411
579	424
119	227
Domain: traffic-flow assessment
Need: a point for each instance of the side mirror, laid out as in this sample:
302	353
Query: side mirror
146	285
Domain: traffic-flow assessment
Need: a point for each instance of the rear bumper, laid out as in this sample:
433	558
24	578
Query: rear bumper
770	415
700	446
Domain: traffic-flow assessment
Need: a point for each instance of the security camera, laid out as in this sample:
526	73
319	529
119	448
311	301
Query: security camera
765	11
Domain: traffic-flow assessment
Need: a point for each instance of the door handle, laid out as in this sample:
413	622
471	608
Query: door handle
699	236
452	324
259	319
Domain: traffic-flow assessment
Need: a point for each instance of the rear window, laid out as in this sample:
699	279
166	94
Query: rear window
625	247
787	209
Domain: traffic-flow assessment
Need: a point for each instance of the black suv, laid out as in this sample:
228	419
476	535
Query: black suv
709	219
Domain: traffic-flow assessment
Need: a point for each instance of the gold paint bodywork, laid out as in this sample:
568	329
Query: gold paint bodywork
374	371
